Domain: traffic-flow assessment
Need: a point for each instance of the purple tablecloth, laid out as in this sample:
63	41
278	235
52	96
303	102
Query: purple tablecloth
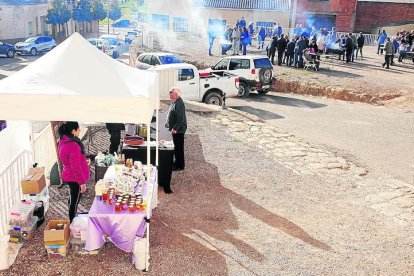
121	227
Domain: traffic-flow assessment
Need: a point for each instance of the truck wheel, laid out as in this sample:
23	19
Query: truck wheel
213	98
243	90
265	75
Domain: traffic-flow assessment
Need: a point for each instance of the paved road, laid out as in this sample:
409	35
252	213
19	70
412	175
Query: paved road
379	138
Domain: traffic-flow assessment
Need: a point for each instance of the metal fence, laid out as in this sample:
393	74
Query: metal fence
10	191
44	149
370	39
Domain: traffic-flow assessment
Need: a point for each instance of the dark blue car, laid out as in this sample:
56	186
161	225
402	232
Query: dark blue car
7	49
122	24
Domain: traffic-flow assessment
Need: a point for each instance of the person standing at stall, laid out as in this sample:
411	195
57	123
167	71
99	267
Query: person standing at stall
177	124
114	130
75	172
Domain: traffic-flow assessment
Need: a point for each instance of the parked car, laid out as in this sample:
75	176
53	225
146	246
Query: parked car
35	44
195	85
255	72
7	49
101	44
148	60
114	44
125	23
131	35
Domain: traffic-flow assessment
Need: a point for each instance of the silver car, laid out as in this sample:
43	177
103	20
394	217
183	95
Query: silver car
35	44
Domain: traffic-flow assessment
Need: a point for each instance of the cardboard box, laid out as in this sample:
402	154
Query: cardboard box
34	182
56	237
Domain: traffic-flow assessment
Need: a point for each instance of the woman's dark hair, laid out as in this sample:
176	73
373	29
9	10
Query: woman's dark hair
66	128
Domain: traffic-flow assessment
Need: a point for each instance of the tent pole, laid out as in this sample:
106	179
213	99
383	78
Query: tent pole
149	193
157	138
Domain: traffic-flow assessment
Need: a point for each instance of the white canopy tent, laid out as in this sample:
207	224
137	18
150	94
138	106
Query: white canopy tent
77	82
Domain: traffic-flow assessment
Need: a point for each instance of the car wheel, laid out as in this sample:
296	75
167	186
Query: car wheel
10	53
262	92
265	75
243	90
33	51
213	98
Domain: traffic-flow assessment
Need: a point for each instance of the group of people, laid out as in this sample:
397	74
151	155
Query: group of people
399	44
72	154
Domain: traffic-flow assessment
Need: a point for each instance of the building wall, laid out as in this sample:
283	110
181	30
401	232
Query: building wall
22	21
198	17
371	15
344	10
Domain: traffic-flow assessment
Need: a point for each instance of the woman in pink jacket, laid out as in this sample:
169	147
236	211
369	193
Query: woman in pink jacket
75	167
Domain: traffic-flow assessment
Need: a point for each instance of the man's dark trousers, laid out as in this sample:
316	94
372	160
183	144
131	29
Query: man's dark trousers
178	140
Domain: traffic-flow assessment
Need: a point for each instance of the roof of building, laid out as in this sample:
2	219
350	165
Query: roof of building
389	1
22	2
270	5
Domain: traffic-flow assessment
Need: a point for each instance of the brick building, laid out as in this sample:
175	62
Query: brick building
384	14
327	13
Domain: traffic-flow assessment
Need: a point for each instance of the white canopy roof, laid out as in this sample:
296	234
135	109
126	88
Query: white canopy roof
77	82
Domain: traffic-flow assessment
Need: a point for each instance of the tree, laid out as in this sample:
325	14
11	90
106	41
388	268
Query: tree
98	12
114	13
83	13
58	15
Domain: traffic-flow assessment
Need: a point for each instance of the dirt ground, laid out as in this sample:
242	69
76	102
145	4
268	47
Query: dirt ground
362	81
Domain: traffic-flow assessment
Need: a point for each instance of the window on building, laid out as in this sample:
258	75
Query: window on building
30	28
160	22
185	74
180	24
142	17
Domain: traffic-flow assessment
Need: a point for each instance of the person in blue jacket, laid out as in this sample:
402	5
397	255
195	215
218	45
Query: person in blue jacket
279	30
261	37
242	22
381	41
246	39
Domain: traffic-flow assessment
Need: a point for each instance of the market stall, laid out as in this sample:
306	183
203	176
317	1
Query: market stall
76	82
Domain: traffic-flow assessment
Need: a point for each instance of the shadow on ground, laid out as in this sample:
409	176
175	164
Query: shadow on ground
284	101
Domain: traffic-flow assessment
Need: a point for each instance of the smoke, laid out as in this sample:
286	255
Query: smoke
198	26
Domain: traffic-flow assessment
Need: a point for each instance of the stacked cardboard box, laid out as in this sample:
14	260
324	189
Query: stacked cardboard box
56	237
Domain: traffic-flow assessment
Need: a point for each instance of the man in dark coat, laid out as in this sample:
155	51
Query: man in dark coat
281	47
272	49
177	124
290	52
360	44
114	130
349	46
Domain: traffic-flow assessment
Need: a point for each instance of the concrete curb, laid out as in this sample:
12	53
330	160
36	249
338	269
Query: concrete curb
249	116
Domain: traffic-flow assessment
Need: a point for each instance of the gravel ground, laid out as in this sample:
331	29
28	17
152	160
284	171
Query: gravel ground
235	211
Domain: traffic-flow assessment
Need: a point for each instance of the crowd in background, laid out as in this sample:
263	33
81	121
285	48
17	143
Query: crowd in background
307	43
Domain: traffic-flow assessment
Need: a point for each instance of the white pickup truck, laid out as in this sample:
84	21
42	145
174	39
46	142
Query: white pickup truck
196	85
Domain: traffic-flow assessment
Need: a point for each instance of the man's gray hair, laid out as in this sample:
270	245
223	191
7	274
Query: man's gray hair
176	90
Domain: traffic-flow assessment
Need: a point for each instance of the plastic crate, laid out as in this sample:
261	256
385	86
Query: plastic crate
19	234
57	251
21	213
78	246
43	196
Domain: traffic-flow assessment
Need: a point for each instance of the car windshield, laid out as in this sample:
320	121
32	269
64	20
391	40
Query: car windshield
262	63
170	59
112	42
30	39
